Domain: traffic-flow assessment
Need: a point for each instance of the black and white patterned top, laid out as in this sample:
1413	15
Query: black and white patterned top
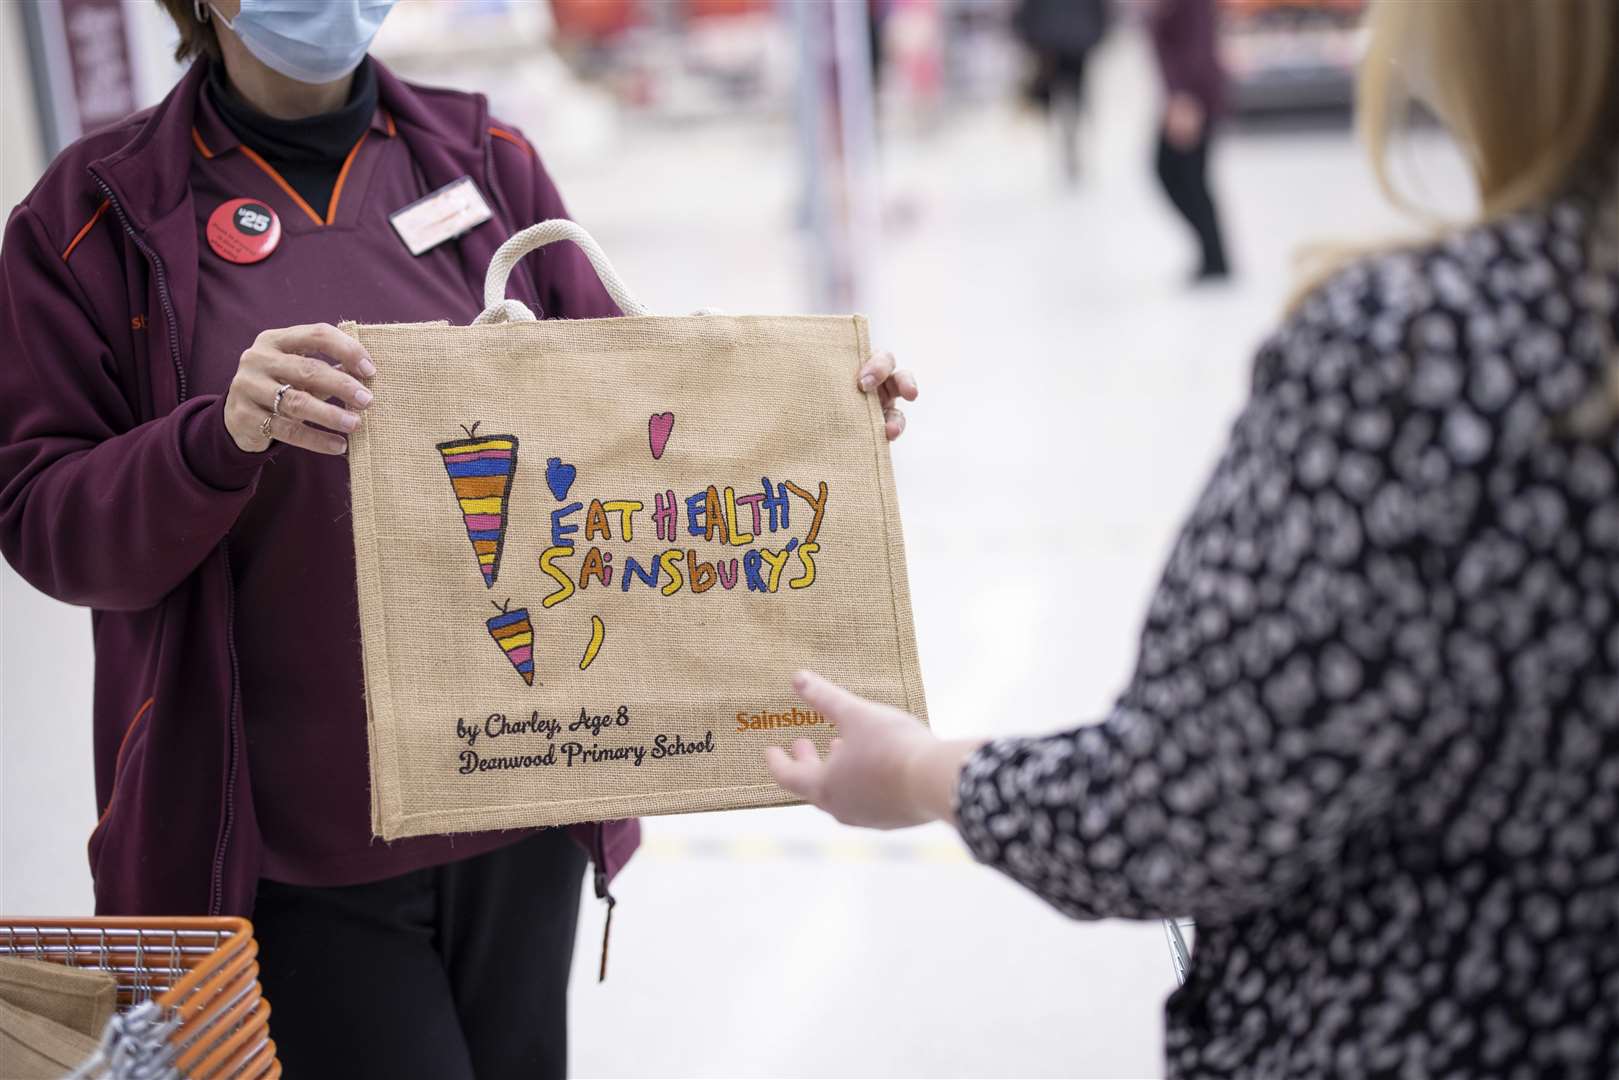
1372	741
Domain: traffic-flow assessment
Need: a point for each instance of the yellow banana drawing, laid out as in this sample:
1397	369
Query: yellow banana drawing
598	631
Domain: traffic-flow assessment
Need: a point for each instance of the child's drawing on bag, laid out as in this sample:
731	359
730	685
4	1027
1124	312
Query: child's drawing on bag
716	538
514	633
481	472
714	516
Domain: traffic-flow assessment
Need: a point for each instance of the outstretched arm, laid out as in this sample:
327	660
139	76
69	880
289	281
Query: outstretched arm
1291	679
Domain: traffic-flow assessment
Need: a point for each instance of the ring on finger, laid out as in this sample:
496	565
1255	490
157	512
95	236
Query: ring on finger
281	392
264	428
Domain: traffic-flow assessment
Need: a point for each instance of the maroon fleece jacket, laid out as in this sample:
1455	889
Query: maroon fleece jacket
109	468
1185	37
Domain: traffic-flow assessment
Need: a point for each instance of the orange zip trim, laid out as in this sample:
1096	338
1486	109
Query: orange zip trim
269	170
202	147
118	763
513	139
88	225
388	116
342	177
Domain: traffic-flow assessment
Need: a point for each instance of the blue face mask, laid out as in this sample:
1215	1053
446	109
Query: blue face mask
313	41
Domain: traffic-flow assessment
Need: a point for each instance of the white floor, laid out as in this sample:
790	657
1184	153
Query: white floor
1073	397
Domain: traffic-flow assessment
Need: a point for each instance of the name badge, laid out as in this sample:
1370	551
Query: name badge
440	216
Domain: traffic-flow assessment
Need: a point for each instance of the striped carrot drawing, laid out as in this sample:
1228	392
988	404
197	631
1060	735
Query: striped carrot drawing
481	471
514	634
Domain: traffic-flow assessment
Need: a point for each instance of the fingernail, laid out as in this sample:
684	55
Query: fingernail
362	397
367	368
350	421
867	381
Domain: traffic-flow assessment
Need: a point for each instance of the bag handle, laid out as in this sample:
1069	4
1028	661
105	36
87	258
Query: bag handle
497	308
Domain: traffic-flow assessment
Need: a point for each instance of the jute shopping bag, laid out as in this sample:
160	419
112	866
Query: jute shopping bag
591	554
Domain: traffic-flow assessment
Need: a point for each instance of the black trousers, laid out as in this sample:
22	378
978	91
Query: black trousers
454	972
1184	175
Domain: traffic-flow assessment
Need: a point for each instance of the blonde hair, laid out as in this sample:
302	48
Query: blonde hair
1528	89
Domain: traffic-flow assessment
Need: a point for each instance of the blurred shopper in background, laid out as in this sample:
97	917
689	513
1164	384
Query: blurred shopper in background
1372	739
1184	40
1061	35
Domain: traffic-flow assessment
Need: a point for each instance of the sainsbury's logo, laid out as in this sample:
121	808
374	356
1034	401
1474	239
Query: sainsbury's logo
769	721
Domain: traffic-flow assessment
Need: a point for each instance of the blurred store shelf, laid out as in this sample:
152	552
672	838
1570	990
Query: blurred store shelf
1291	55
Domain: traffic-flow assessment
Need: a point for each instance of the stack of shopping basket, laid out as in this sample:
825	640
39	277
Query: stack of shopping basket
189	1003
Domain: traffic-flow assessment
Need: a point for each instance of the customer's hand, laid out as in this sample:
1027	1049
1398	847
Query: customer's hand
879	375
292	357
885	770
1183	121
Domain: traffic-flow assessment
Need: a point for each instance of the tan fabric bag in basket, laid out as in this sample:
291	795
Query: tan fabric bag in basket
83	999
592	553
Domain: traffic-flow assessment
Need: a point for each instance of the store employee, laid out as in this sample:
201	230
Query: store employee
171	455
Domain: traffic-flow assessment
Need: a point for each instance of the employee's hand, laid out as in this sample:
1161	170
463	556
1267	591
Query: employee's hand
885	770
1183	121
294	357
891	385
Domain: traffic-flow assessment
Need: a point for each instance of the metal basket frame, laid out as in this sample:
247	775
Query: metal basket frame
189	1000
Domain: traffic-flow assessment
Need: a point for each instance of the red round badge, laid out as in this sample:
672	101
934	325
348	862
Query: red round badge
243	231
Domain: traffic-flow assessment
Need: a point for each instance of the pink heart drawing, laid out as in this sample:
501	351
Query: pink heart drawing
658	427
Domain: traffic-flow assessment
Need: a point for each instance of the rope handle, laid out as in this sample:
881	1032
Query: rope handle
497	308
